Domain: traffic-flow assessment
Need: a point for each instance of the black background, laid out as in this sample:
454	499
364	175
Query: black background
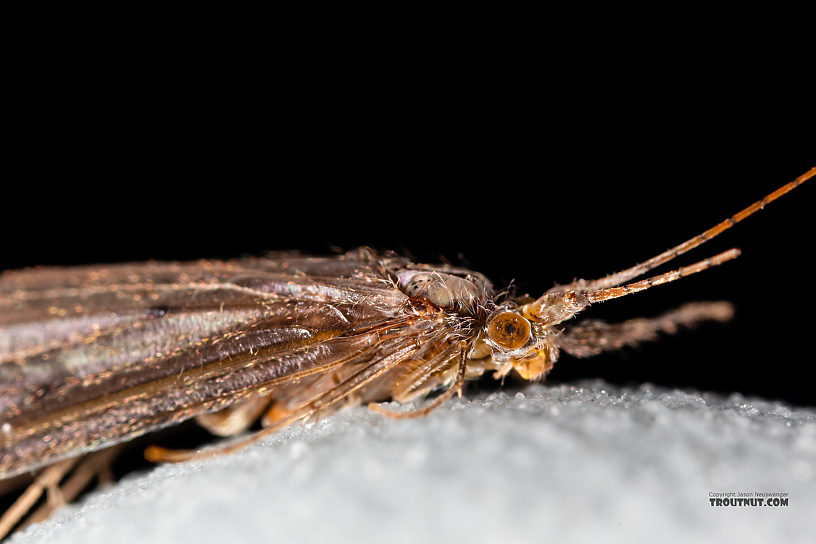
532	176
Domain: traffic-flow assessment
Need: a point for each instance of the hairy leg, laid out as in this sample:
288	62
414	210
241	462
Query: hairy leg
590	338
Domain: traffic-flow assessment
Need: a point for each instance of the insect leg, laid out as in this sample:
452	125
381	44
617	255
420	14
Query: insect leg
158	454
640	269
48	478
435	403
92	465
376	369
234	419
418	378
593	337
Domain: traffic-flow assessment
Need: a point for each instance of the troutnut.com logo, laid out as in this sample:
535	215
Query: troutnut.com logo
741	498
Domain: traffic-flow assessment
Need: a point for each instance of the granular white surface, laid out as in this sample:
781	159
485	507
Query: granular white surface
549	464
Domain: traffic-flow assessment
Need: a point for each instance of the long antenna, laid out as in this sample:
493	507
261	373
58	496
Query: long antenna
563	302
617	292
640	269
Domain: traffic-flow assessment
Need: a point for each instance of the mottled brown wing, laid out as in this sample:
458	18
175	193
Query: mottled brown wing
97	355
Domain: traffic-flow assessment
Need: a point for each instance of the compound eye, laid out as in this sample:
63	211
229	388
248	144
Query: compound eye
508	330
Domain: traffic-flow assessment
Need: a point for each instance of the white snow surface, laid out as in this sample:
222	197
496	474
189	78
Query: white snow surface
583	463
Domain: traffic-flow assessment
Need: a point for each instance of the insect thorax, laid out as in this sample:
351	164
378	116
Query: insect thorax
454	290
504	341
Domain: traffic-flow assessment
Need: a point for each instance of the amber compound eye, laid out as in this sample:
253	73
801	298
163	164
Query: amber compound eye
508	330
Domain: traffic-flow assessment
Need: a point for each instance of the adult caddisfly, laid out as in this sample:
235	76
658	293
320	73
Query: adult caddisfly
91	357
